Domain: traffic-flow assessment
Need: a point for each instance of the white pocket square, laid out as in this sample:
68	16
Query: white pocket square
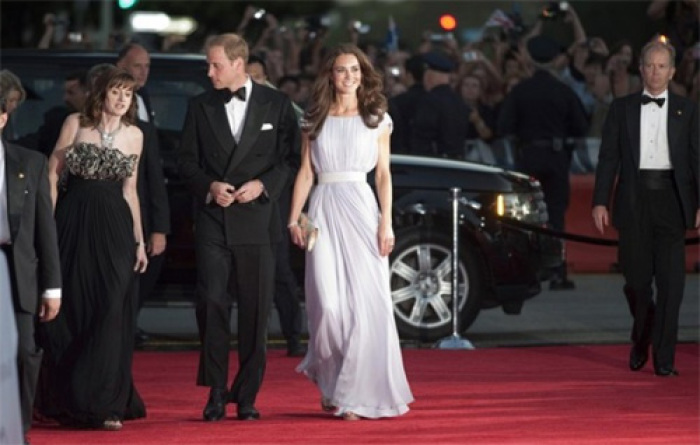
266	127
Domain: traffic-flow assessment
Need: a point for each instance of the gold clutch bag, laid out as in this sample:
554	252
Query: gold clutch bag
310	230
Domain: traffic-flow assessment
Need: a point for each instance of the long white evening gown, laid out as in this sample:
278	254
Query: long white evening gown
354	356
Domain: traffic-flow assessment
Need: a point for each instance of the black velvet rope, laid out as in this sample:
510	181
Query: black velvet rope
572	236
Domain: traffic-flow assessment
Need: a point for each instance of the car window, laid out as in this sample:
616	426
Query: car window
44	91
169	100
169	90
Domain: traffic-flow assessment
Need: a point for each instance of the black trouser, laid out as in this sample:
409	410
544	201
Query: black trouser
28	365
551	168
652	251
250	271
149	279
286	300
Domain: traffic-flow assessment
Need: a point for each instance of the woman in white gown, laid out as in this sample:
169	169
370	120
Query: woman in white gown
354	356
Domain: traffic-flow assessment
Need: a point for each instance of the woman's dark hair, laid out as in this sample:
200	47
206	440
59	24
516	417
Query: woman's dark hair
617	47
254	58
113	78
372	103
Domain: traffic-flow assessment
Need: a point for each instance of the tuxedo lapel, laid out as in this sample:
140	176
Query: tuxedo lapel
255	116
215	111
16	182
674	122
634	125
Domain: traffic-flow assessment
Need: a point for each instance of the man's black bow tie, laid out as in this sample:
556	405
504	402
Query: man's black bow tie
227	95
658	101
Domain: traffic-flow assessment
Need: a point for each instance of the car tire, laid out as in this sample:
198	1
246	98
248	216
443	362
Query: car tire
421	285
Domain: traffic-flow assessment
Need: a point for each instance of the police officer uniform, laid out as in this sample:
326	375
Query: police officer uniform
542	113
402	107
439	126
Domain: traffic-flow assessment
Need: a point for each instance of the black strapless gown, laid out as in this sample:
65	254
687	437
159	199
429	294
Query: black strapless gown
89	347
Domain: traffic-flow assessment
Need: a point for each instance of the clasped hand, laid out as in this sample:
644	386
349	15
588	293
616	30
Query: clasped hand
225	194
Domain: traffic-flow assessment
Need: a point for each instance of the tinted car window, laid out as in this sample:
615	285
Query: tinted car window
170	85
169	100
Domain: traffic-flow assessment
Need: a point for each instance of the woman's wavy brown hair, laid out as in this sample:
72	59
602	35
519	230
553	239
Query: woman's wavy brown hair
113	78
372	103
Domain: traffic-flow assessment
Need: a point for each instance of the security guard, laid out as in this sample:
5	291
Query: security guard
402	107
543	114
439	127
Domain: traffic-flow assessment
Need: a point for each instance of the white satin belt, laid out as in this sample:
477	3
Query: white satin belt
330	177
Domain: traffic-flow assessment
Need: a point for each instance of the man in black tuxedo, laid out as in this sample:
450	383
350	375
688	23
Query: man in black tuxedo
155	209
135	59
235	142
28	240
650	145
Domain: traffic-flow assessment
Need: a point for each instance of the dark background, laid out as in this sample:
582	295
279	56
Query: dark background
22	20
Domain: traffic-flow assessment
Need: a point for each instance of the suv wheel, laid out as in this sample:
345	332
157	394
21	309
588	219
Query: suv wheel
421	285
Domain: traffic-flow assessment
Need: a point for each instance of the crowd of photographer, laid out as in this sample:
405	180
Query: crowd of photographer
481	73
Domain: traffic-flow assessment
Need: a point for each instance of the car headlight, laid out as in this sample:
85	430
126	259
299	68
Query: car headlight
526	207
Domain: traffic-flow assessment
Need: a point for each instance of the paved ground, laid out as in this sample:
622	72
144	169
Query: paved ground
595	312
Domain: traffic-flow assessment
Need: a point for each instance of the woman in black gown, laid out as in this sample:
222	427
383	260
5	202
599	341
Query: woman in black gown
90	345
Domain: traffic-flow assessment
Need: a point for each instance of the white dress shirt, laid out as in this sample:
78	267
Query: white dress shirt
236	109
235	112
141	108
654	135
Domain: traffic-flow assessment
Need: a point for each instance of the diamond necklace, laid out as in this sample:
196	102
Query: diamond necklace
108	138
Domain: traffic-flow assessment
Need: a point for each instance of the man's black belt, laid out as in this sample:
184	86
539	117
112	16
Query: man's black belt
656	179
555	144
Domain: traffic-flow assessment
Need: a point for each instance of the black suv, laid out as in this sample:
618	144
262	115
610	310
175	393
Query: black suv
500	265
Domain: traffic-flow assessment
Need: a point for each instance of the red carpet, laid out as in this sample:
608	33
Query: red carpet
541	395
585	258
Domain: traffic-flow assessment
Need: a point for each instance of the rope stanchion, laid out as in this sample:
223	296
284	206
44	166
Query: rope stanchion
455	341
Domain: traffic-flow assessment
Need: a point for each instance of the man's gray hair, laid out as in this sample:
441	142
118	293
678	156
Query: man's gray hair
656	44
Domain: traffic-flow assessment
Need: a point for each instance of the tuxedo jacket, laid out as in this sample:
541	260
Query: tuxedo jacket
210	153
153	196
620	153
145	95
35	264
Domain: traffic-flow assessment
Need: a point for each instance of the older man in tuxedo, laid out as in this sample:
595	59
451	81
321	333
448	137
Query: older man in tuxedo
155	209
233	154
650	146
28	240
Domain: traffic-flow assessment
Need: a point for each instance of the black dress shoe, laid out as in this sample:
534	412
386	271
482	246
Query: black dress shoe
295	349
561	284
215	408
141	338
248	413
666	372
638	359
